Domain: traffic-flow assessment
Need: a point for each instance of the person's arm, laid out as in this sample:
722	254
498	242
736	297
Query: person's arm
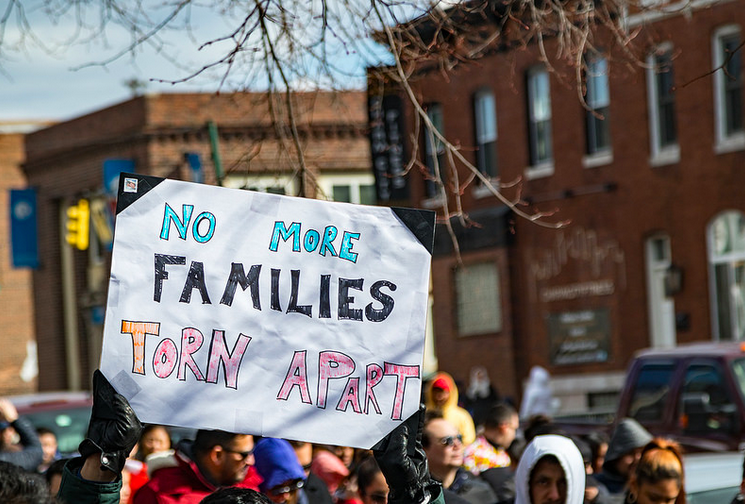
84	482
95	477
31	455
403	462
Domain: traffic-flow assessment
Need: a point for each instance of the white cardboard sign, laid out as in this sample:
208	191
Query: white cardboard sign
265	314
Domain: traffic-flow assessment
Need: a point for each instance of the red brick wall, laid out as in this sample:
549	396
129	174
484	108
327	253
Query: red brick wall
16	316
679	199
457	354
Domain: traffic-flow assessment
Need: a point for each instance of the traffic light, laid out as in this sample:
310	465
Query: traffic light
78	225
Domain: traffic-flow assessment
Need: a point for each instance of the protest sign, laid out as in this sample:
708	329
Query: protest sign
264	314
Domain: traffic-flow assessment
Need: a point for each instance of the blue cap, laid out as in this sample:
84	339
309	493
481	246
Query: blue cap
276	463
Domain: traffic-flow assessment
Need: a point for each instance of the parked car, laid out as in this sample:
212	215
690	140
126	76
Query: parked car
67	415
692	393
64	413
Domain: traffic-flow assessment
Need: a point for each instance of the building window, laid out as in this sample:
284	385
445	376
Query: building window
434	151
598	101
727	275
479	302
661	89
279	184
539	115
486	133
348	188
728	89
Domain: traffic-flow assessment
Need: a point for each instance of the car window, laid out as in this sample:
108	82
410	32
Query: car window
69	425
738	371
651	391
706	404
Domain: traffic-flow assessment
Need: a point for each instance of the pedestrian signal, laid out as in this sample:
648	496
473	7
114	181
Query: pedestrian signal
78	225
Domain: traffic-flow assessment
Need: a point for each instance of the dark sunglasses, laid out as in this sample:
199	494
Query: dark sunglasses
244	454
450	440
289	488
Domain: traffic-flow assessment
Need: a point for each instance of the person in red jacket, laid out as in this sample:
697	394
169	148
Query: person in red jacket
215	459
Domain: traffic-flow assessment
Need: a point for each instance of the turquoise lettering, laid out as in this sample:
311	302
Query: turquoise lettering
329	234
280	231
169	215
345	252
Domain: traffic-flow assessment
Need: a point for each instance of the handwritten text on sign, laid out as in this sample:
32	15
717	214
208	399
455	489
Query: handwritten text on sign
327	326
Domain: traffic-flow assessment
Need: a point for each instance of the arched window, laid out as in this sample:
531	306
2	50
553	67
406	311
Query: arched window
726	236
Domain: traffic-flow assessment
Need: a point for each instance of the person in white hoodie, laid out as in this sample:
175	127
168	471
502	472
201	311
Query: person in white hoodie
550	471
537	397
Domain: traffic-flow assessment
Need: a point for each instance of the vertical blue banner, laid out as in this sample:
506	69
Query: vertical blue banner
23	229
111	170
195	163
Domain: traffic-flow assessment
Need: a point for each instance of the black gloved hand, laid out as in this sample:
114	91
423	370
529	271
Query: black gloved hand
403	462
114	428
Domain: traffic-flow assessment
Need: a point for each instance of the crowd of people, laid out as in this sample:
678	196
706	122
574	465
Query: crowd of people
475	451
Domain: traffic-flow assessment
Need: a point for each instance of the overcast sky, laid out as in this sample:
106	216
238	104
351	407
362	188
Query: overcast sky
44	87
35	85
38	85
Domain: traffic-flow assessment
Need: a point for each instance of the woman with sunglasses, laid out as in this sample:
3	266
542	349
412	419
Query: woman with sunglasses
658	477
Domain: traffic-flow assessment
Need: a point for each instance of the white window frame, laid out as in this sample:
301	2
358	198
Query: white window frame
326	184
434	148
262	183
660	305
539	167
725	247
660	155
733	141
603	155
485	119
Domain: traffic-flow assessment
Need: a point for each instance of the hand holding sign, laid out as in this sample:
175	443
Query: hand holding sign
113	429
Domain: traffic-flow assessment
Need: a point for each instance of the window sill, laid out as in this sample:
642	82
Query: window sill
482	190
598	159
670	155
540	170
733	143
436	202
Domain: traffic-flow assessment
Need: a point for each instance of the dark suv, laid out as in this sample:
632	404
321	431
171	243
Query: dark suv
693	393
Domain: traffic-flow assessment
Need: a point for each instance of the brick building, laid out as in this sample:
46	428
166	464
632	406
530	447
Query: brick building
18	358
230	136
654	254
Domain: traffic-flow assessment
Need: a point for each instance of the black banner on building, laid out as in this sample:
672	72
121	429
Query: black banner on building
579	337
385	114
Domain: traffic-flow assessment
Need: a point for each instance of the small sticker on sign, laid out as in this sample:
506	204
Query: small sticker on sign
130	185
